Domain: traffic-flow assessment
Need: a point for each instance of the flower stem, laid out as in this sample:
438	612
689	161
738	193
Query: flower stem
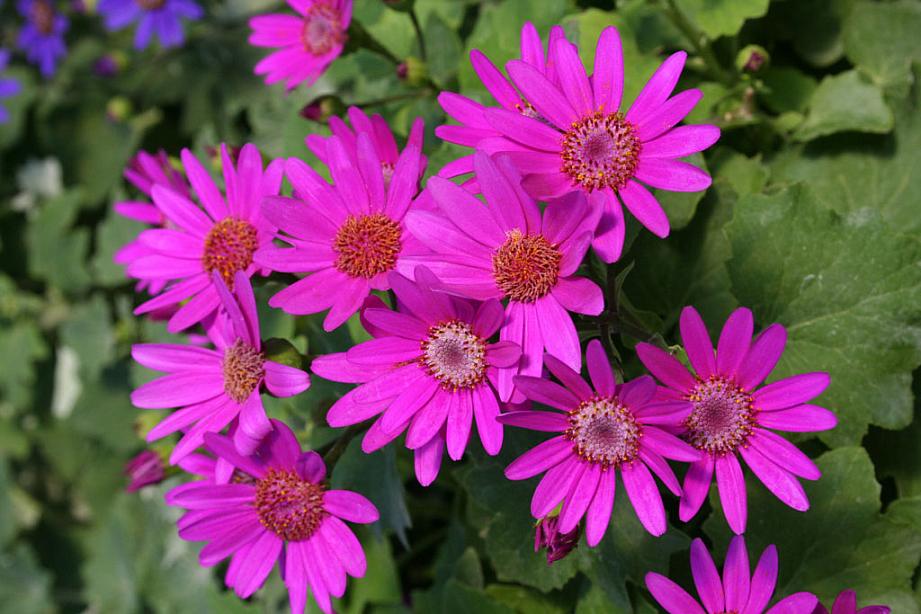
418	28
699	40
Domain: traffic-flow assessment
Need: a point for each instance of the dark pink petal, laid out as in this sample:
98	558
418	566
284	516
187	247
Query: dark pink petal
407	403
348	302
175	294
204	186
682	141
540	458
567	217
574	250
579	498
706	578
175	358
258	564
493	80
386	350
547	186
599	368
337	368
845	603
555	485
762	357
315	581
283	449
349	506
734	342
466	212
459	423
285	381
253	425
507	202
791	391
503	354
569	377
696	486
797	603
736	575
558	332
194	437
672	175
529	216
637	392
670	596
310	187
542	94
207	495
428	461
669	446
428	422
731	484
598	515
697	343
181	211
223	447
645	498
665	413
182	418
157	266
395	323
349	551
536	420
665	367
178	390
573	80
658	88
295	578
230	543
579	295
287	260
328	565
311	294
525	130
763	582
609	235
799	419
489	317
668	114
486	412
346	177
299	220
661	470
466	111
369	166
436	232
608	77
310	467
532	49
390	384
784	454
404	183
418	298
784	486
546	392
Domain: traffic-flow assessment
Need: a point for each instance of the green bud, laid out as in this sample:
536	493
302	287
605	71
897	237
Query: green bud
752	58
281	351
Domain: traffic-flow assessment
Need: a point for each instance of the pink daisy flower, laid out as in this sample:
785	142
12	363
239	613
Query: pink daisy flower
196	243
430	371
308	42
212	387
475	130
278	509
385	145
348	236
507	249
577	140
738	591
846	603
602	429
730	415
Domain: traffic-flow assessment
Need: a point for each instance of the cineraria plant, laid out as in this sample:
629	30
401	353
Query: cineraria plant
335	305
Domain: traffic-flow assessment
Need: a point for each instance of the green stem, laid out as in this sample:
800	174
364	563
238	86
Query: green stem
699	40
395	98
418	28
341	444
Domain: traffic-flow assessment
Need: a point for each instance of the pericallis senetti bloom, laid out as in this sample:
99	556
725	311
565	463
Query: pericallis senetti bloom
602	430
739	590
278	509
8	87
221	238
727	414
42	36
162	18
429	371
212	387
507	249
308	42
846	603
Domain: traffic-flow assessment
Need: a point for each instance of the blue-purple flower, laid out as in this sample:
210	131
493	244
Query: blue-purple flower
42	36
160	17
8	87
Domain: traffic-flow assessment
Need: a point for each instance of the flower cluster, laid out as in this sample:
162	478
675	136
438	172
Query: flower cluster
471	294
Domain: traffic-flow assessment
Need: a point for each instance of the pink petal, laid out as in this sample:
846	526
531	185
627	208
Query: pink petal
536	420
599	368
682	141
645	498
460	421
608	76
736	575
670	596
285	381
734	342
573	80
706	577
799	419
658	88
540	458
762	357
579	498
697	343
579	295
428	461
731	484
696	486
178	390
645	208
784	454
763	582
350	506
558	332
542	94
665	367
797	603
598	515
673	175
668	114
791	391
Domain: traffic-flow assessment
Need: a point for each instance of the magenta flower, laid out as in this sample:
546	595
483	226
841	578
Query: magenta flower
161	17
547	536
603	428
738	591
279	510
143	470
430	371
507	249
212	387
846	603
196	243
385	145
475	130
42	36
308	42
573	138
348	236
729	414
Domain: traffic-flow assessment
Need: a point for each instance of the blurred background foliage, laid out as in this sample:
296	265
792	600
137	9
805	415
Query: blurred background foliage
812	221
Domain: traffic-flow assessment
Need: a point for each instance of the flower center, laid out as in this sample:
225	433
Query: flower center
229	248
604	431
322	30
288	506
150	5
42	14
526	267
244	368
367	245
722	418
601	150
454	355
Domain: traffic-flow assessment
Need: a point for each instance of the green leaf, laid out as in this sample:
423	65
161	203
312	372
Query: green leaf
111	235
787	89
57	251
815	26
881	39
444	50
88	331
849	292
842	541
722	17
25	587
17	105
20	345
845	102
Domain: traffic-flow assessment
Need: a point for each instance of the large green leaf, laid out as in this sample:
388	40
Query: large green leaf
722	17
25	586
845	102
849	292
57	251
881	38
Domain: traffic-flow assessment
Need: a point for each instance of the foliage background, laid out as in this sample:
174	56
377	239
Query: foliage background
812	221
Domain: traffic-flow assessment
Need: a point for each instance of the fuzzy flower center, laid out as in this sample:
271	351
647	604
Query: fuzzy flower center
244	368
42	14
229	247
288	506
604	431
601	151
367	245
454	355
150	5
322	29
526	267
723	416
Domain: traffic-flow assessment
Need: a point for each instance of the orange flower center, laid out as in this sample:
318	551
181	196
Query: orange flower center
723	416
526	267
601	150
288	506
454	355
367	245
604	431
229	247
322	29
244	368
